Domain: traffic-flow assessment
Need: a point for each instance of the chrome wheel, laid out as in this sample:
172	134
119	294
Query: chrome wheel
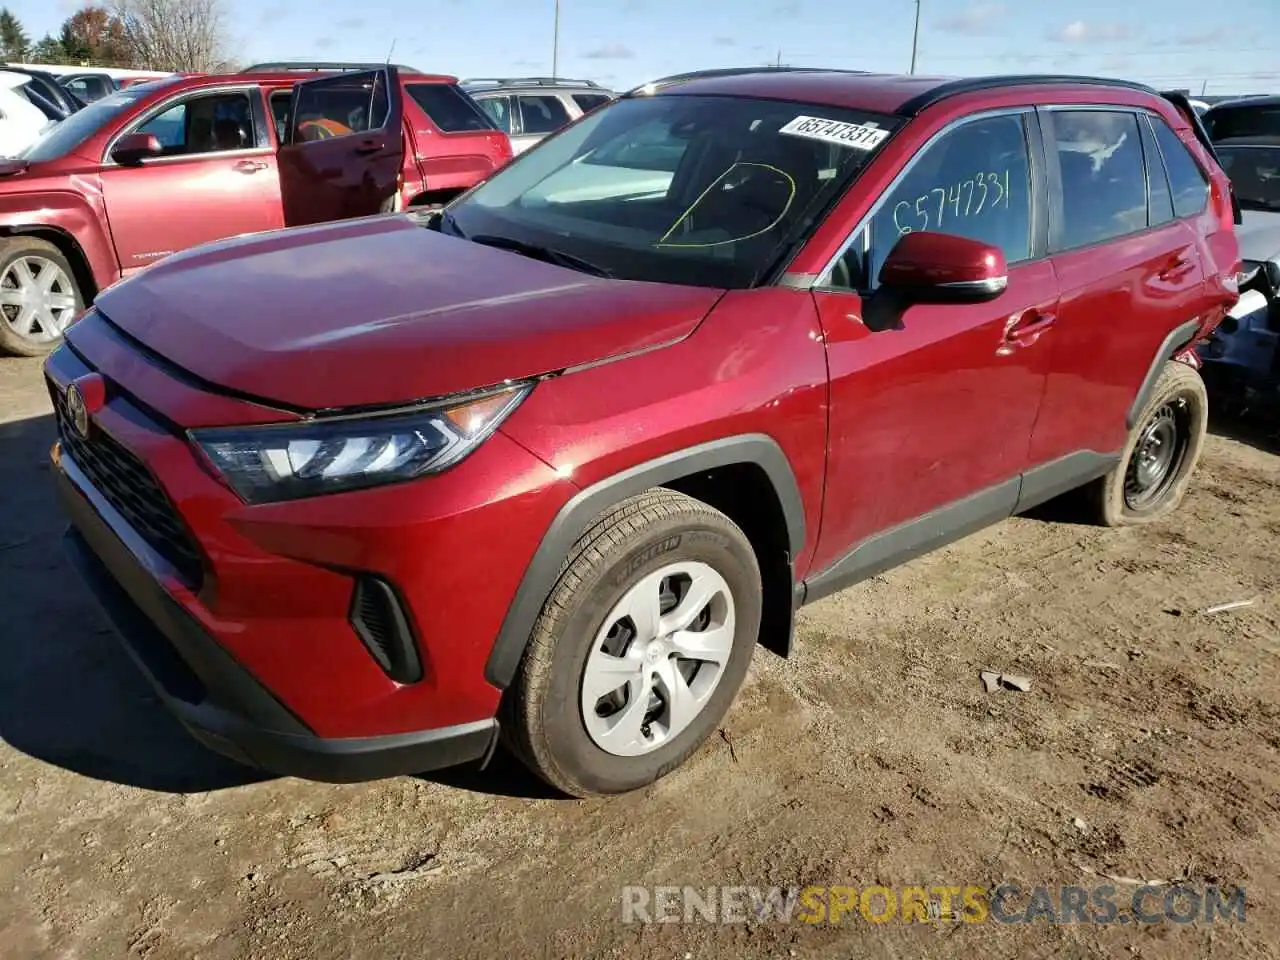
657	658
37	298
1157	458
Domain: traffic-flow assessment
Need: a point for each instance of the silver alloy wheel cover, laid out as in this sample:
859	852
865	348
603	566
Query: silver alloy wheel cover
652	660
37	298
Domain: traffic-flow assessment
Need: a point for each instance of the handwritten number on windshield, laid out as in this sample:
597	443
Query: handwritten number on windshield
941	206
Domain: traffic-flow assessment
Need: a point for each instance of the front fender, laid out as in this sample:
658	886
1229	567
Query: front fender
78	215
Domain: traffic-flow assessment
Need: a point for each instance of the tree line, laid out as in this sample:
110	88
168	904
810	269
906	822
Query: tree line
172	35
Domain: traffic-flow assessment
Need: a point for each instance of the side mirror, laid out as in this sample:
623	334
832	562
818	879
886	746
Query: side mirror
926	267
135	147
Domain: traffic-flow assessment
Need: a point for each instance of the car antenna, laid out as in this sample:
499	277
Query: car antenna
391	51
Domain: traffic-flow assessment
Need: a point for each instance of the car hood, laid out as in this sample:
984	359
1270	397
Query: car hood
382	311
1259	235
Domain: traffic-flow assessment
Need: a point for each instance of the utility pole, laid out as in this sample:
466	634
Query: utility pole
915	38
555	42
778	62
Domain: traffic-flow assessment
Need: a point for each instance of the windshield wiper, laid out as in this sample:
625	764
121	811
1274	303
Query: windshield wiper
538	252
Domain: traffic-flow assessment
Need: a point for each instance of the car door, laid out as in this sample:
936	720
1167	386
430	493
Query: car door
1128	266
930	421
214	178
343	150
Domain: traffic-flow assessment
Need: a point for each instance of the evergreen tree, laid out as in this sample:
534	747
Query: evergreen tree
14	43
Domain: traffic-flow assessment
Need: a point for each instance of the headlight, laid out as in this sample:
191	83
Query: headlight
266	464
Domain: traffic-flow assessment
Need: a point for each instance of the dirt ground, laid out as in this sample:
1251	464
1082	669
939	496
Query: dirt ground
873	756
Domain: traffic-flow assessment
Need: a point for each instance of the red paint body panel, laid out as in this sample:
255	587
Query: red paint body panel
82	200
431	330
879	428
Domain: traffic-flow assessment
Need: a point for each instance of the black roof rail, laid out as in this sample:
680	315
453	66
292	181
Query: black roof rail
953	88
528	82
337	66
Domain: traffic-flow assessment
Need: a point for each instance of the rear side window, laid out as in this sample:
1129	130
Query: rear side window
589	101
1160	200
1104	183
449	108
542	114
1190	188
340	106
499	111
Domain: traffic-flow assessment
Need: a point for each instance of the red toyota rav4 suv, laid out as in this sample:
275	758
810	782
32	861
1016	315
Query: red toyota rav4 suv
158	168
359	495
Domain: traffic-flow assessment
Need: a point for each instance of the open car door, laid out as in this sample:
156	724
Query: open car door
342	147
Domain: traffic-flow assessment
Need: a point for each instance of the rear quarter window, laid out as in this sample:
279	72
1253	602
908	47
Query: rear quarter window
1187	181
449	108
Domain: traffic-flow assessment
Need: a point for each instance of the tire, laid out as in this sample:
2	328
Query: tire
618	560
23	265
1180	395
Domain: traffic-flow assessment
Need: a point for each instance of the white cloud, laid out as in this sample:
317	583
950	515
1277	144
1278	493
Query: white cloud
610	51
1078	31
977	19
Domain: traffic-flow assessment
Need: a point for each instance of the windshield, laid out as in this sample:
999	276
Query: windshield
698	190
61	139
1254	173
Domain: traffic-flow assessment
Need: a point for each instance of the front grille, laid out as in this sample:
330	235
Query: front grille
128	486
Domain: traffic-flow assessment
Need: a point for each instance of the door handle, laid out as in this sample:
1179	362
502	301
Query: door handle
369	146
1176	269
250	166
1025	329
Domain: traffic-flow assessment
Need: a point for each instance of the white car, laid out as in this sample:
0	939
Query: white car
21	122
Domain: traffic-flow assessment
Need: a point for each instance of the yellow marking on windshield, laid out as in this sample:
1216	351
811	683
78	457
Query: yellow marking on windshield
791	185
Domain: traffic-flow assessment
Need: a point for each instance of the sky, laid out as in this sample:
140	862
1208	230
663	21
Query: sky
1211	47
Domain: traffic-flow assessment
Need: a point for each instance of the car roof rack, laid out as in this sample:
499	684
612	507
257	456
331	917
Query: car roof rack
327	66
717	72
527	82
954	88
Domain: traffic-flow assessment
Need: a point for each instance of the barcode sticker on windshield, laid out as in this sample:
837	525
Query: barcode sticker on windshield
856	135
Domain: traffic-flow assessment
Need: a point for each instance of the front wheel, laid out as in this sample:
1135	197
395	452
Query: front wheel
640	648
1163	449
39	297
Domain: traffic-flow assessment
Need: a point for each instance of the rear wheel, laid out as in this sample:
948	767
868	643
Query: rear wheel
640	648
39	297
1164	446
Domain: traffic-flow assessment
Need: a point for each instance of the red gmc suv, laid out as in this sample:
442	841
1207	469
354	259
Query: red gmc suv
361	496
158	168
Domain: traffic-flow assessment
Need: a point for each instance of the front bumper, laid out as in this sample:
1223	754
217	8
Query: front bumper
215	698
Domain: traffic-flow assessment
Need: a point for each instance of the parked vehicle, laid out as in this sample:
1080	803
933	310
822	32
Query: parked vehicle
530	108
46	85
1244	118
354	492
93	200
23	116
1242	358
89	86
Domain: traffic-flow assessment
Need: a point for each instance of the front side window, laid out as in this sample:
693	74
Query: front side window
700	190
1104	182
1190	188
1255	175
542	114
209	124
974	182
340	106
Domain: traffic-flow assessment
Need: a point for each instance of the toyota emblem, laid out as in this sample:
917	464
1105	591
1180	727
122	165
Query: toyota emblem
77	412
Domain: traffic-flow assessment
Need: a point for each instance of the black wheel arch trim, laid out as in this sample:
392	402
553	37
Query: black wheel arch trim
1181	336
575	516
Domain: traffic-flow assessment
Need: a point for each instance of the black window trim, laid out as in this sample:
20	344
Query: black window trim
1055	172
256	108
1036	168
